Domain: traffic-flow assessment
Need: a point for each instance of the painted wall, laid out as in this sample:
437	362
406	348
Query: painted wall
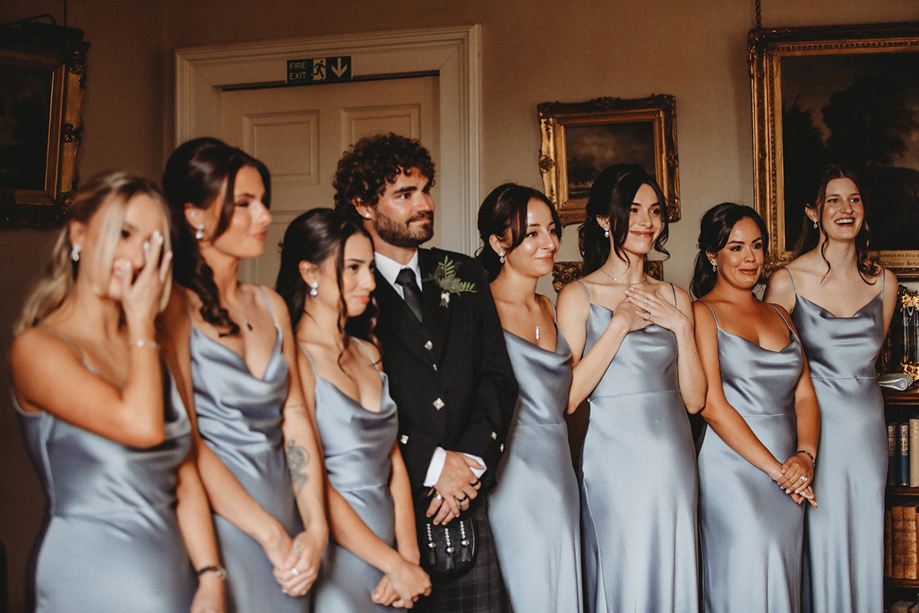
534	51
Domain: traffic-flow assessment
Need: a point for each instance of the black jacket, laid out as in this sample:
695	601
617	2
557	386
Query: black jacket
456	357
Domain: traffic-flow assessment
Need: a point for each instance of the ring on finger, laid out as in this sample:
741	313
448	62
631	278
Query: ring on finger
647	300
461	500
437	496
804	479
295	572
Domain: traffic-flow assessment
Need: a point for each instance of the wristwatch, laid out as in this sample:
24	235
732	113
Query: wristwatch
219	570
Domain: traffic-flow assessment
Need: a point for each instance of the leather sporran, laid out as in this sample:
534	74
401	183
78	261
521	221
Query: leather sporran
446	549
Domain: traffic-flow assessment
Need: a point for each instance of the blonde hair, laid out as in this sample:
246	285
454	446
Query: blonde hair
107	194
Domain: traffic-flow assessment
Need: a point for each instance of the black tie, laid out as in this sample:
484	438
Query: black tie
410	291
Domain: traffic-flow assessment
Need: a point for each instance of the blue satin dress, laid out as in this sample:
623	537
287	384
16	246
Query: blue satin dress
534	511
844	550
639	481
356	443
112	542
752	531
239	418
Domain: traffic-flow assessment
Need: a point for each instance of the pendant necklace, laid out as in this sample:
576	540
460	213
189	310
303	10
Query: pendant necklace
644	278
520	302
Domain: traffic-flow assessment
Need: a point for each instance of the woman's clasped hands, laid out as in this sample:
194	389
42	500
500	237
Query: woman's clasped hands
796	477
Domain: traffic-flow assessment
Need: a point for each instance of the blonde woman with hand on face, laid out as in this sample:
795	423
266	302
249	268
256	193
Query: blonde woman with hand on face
539	553
103	420
236	352
635	360
842	302
755	456
326	278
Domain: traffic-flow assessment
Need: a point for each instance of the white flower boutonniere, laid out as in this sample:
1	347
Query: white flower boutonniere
445	278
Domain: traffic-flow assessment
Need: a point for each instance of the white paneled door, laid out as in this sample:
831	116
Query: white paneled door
301	132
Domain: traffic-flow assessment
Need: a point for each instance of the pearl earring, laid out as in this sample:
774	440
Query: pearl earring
605	232
816	225
75	253
314	288
714	266
501	257
200	233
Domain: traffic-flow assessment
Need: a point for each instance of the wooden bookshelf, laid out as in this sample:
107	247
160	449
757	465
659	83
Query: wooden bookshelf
900	406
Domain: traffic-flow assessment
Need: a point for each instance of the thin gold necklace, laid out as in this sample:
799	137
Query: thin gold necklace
644	277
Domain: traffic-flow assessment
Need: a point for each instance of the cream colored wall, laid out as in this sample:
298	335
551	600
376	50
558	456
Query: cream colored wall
534	51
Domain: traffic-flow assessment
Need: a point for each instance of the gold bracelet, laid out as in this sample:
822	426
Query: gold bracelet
150	344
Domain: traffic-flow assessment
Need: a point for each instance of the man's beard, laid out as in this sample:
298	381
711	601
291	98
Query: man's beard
402	234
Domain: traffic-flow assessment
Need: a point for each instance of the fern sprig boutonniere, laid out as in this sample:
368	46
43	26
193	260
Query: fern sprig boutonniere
444	276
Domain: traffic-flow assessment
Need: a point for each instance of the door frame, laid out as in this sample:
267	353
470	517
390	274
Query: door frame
203	72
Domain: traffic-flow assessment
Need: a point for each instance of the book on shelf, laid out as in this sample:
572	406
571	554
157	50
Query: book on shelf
909	540
903	606
903	435
914	452
888	534
893	464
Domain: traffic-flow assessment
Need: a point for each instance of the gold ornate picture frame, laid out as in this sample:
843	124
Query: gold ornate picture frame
42	71
846	95
580	139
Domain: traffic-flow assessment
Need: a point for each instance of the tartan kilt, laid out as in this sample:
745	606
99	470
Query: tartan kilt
481	589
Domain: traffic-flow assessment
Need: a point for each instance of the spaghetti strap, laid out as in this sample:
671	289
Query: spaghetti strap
795	289
268	303
779	311
64	337
884	279
310	358
586	290
367	351
673	289
717	323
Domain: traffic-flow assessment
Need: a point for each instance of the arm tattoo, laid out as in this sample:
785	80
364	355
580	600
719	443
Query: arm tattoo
297	460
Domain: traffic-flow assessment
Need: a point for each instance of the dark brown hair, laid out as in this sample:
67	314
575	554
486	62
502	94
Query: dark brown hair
810	236
315	237
373	162
714	232
505	208
196	174
612	195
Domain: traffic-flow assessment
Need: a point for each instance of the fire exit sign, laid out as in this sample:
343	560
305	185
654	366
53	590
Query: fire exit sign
319	70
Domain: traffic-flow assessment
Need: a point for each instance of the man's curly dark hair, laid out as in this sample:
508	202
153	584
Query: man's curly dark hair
373	162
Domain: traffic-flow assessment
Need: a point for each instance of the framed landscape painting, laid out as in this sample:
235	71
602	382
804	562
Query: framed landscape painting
846	95
581	139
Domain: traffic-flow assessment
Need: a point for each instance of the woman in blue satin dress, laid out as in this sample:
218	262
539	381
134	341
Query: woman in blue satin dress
326	277
756	453
635	360
103	421
533	511
842	302
257	449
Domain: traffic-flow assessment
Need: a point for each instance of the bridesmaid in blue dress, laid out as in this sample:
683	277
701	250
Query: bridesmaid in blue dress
103	420
755	457
326	277
635	360
841	302
534	510
256	445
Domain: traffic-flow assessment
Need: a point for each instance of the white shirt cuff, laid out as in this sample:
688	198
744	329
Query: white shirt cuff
437	466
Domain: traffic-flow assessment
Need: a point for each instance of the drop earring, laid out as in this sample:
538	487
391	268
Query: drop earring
501	257
314	288
714	266
816	225
605	232
75	253
199	234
